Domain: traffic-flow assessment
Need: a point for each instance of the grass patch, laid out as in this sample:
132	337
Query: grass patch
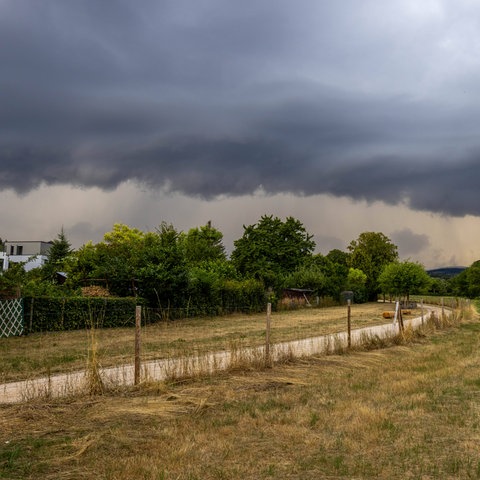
407	412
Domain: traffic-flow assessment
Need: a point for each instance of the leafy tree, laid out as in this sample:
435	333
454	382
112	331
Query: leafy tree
36	285
371	252
338	256
83	265
122	234
356	281
307	276
473	279
459	284
133	262
334	274
114	261
118	258
467	283
403	279
439	286
203	244
221	269
271	249
162	272
13	279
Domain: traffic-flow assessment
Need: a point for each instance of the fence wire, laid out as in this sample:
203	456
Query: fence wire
48	353
11	317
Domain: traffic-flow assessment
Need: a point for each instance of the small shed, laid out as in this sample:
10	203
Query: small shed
296	297
60	277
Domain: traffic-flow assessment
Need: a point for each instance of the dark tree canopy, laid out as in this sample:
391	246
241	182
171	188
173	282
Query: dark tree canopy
338	256
272	248
334	273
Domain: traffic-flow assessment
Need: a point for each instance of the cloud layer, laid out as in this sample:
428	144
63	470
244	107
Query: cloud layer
374	101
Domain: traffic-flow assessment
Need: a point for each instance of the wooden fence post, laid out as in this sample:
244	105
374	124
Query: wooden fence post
268	360
138	323
398	316
421	306
400	320
349	322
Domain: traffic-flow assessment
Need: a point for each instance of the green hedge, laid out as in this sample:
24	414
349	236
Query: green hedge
42	314
244	296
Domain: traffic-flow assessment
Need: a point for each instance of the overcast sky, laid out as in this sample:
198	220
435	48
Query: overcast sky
350	115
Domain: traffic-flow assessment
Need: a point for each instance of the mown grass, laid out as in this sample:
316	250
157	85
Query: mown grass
53	352
407	412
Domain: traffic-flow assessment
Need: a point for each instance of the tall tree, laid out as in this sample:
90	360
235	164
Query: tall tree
58	255
162	274
370	253
272	248
203	244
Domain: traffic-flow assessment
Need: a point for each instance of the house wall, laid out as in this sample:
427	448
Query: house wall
27	248
33	253
30	262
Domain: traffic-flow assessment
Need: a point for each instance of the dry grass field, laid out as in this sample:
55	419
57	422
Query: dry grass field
53	352
407	412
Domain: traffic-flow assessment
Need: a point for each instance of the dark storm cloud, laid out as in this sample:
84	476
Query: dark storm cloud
215	98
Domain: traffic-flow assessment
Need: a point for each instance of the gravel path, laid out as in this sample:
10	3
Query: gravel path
158	370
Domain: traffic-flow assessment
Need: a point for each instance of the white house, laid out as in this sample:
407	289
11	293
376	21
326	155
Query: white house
33	253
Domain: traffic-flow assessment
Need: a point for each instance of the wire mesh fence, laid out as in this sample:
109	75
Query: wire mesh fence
11	317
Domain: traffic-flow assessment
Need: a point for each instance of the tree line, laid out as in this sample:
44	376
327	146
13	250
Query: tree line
187	269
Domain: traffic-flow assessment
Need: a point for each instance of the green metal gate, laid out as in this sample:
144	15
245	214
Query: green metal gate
11	317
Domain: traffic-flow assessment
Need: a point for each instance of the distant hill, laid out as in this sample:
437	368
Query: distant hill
445	272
